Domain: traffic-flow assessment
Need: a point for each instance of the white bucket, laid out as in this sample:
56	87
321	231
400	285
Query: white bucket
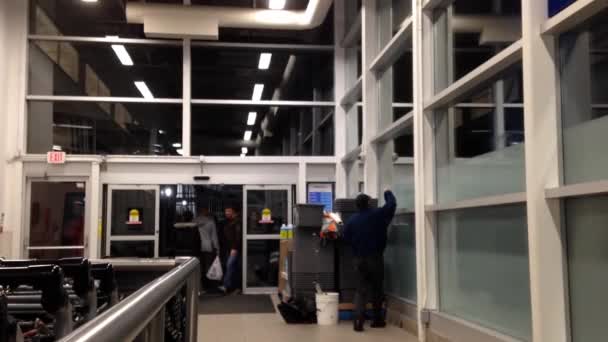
327	308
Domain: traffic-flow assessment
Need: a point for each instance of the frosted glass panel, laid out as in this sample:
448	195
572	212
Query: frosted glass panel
587	232
400	258
403	186
584	71
479	153
483	268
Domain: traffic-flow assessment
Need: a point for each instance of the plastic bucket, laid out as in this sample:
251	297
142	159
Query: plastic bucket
327	308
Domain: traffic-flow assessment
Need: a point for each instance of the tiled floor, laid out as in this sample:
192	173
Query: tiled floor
270	328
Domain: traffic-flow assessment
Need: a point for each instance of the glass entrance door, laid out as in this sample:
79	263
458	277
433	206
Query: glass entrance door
132	218
265	209
57	218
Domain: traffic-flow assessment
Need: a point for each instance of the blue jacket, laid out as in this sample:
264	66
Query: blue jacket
367	230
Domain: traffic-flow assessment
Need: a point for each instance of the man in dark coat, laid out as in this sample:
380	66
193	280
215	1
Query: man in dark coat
367	233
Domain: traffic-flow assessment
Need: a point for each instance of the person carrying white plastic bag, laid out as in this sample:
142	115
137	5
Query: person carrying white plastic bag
215	271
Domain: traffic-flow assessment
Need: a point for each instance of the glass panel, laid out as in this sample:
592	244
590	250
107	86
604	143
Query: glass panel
123	204
403	79
403	185
104	128
479	152
584	70
275	131
469	33
87	69
129	249
53	254
262	263
259	200
586	222
57	215
400	258
234	74
80	18
402	9
483	267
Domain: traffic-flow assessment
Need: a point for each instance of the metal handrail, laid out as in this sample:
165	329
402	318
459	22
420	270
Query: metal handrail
126	320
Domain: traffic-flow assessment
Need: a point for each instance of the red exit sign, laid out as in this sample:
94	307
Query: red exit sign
55	157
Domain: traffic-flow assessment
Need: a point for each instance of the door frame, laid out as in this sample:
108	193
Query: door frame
108	236
247	237
28	210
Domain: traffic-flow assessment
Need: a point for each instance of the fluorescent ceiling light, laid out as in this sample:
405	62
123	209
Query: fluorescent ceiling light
251	118
122	54
89	0
160	131
276	4
244	150
265	59
144	90
247	136
258	89
177	145
168	192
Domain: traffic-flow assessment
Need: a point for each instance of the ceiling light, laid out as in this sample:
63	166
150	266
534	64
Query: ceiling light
89	0
265	59
184	203
276	4
247	136
177	145
258	89
144	90
251	118
243	155
122	54
168	192
160	131
244	150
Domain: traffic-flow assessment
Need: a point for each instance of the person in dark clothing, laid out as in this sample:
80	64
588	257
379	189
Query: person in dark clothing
233	234
367	232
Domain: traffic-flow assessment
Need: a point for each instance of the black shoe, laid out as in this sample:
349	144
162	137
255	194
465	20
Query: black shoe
358	325
378	323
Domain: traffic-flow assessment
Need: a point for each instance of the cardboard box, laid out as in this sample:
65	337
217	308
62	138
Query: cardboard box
286	247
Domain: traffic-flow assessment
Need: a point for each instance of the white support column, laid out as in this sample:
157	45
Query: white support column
13	36
187	97
344	119
384	151
94	201
424	163
371	105
301	188
548	281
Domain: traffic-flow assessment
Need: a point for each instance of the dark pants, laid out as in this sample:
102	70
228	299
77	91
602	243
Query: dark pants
370	284
207	259
231	278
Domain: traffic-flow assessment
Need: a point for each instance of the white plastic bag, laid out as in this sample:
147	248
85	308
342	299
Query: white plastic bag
215	271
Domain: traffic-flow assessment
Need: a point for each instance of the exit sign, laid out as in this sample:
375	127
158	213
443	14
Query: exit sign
55	157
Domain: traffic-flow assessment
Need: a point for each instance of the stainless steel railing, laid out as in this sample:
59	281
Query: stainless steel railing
141	315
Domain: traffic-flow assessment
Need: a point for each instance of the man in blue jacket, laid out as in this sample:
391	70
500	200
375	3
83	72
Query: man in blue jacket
367	233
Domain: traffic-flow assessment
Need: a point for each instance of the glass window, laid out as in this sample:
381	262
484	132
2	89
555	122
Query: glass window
400	258
235	74
470	32
104	128
586	222
80	18
57	218
403	185
262	263
86	69
275	131
483	268
479	151
584	71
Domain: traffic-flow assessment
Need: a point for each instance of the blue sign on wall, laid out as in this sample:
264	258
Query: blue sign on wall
556	6
321	193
